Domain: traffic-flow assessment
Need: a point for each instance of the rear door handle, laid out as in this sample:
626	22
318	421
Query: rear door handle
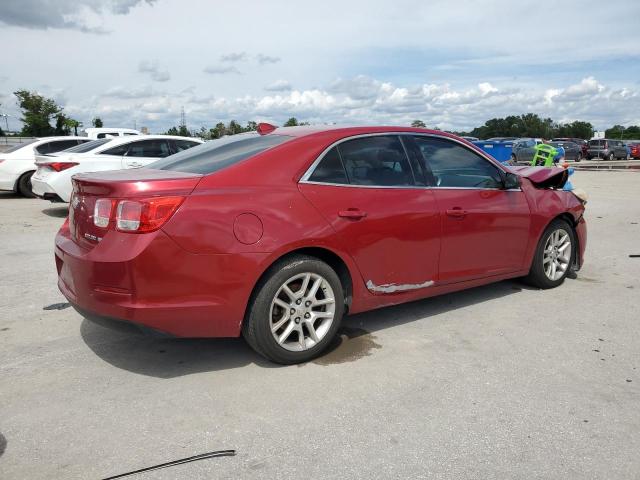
457	212
352	213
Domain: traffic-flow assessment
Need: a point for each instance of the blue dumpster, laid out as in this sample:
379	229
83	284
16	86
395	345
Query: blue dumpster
500	150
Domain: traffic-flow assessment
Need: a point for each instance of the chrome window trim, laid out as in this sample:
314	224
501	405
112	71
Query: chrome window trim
307	174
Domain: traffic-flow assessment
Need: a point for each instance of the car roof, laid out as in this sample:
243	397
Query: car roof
341	131
61	137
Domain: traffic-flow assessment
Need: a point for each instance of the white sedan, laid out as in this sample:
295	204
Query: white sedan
52	180
17	163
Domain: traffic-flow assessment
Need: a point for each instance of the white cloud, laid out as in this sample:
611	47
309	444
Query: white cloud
265	59
234	57
278	86
220	69
155	71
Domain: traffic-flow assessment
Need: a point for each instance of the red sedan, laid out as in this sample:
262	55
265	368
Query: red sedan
276	235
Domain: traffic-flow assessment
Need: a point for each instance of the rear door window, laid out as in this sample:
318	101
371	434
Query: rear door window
62	145
180	145
330	169
456	166
149	149
376	161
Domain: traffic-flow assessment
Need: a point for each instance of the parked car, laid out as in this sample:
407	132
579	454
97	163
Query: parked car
17	163
471	139
502	139
606	149
572	151
524	150
635	150
584	145
52	180
104	132
276	235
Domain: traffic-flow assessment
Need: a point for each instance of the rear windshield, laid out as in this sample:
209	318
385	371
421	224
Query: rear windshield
596	143
18	146
88	146
218	154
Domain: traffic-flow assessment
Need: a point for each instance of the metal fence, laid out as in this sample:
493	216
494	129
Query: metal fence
7	142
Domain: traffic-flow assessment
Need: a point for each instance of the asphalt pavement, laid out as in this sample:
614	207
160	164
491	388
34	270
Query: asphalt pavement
496	382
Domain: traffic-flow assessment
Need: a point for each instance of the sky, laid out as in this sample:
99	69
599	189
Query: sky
453	65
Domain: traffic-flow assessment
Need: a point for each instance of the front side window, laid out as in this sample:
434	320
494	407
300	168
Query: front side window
376	161
453	165
149	149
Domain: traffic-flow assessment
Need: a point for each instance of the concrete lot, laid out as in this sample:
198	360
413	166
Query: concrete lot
501	381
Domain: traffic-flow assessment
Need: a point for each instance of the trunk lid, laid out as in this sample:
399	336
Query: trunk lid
119	184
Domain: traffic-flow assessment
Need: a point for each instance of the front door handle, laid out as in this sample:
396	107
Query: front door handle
352	214
457	212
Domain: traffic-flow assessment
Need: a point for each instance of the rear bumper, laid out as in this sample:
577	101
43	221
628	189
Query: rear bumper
154	284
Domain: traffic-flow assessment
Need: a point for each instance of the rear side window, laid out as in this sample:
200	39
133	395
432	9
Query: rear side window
218	154
149	149
119	151
180	145
376	161
110	134
330	169
595	143
453	165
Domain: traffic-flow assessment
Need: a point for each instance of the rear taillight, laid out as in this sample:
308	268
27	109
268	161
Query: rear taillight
145	215
102	212
58	166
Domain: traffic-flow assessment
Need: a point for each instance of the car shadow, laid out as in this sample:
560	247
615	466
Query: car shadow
169	358
57	212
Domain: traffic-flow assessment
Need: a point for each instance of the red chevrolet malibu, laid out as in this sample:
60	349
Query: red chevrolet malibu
277	234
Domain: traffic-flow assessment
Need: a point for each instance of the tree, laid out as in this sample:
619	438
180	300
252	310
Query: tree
418	124
97	122
37	112
75	124
62	125
183	131
251	126
292	122
172	131
234	128
218	131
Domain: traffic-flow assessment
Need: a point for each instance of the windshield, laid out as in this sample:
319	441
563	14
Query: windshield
18	146
87	147
218	154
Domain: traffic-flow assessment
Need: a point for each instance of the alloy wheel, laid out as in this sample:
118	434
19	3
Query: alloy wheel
302	311
557	254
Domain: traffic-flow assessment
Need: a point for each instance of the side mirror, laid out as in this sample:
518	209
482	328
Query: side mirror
510	181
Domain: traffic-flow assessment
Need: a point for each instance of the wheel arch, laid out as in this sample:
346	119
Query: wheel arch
331	258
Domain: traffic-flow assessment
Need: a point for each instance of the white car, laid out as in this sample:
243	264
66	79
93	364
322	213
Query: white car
52	180
105	132
17	164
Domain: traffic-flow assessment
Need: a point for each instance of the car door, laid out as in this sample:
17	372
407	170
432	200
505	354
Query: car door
142	152
375	198
485	228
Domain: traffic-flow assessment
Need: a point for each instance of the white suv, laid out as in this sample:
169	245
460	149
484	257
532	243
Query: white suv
52	180
17	163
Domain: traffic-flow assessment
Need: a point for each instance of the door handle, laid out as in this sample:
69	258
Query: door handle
352	214
457	212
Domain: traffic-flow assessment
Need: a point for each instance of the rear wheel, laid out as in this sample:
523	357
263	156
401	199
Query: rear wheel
296	310
578	157
610	157
24	185
554	256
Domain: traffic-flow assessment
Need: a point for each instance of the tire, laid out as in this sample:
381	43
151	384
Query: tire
24	185
514	160
578	158
266	310
610	157
542	274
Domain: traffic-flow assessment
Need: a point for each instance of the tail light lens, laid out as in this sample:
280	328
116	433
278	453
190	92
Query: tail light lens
58	166
147	215
102	212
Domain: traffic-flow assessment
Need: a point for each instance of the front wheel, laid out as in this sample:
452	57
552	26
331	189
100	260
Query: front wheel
553	257
295	311
24	185
611	157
